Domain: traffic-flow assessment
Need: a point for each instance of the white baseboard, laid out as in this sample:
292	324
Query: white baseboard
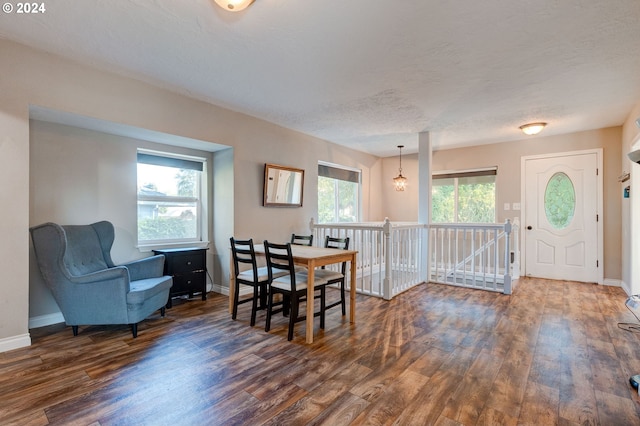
219	289
44	320
15	342
612	282
626	288
244	290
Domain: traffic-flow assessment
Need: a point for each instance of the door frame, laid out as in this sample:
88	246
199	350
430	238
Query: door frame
599	204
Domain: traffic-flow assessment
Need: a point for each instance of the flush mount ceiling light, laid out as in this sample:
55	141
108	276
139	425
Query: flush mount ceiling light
400	181
234	5
532	128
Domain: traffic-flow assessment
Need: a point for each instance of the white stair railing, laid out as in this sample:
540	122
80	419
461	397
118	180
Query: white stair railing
390	258
405	258
394	257
473	255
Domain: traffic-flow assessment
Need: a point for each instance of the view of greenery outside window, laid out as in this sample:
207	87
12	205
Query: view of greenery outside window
169	197
465	197
338	194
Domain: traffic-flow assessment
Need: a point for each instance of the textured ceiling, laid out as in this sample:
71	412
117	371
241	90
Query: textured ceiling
368	74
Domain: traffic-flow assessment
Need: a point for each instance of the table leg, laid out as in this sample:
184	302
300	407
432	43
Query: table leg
310	301
352	291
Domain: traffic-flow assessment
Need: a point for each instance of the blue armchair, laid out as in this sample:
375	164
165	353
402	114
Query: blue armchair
75	262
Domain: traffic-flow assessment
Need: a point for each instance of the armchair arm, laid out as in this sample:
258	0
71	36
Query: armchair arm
149	267
96	298
117	273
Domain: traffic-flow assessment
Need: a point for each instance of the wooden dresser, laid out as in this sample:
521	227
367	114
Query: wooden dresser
188	268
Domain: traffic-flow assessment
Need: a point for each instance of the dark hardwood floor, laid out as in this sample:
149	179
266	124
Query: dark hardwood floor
550	354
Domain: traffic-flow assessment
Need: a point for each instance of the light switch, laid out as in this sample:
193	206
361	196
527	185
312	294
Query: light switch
507	206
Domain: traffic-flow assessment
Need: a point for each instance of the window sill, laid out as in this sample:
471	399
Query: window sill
193	244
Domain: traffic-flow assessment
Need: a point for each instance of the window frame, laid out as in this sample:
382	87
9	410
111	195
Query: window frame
341	170
200	200
456	175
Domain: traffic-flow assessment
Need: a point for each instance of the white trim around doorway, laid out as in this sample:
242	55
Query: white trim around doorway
599	201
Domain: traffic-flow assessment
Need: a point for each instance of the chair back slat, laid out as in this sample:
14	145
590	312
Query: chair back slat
243	252
338	243
302	240
279	257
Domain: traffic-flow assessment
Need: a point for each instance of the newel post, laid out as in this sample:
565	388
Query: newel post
387	284
312	229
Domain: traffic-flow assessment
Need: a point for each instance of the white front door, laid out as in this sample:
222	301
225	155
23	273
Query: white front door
560	223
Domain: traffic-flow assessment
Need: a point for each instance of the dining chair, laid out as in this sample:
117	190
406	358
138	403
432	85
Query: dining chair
302	240
335	277
292	286
257	277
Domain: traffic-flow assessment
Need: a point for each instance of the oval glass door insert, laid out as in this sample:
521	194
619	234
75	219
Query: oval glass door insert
559	200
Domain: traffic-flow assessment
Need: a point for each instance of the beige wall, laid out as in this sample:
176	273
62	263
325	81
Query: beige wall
31	77
507	157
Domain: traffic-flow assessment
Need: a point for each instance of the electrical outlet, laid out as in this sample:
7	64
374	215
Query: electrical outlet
516	206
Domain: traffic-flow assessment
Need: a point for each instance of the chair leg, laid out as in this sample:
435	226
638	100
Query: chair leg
236	292
162	311
344	311
323	305
74	328
286	305
134	330
267	325
263	296
293	315
254	305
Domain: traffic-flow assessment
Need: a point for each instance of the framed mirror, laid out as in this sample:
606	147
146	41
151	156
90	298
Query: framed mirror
282	186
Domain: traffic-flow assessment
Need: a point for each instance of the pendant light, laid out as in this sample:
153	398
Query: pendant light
400	181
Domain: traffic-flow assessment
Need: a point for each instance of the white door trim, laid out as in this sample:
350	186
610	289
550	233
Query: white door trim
599	201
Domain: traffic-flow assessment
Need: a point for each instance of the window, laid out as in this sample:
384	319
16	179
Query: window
169	198
338	194
560	200
464	197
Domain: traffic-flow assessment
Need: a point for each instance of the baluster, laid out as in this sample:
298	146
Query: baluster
496	258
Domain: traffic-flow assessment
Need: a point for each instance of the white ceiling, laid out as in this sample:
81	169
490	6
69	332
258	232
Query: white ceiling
368	74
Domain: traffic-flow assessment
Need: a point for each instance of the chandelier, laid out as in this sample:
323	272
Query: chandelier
400	181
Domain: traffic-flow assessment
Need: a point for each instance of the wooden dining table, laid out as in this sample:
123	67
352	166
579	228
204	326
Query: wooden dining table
312	258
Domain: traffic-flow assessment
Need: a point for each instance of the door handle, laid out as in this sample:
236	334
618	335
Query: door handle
529	227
